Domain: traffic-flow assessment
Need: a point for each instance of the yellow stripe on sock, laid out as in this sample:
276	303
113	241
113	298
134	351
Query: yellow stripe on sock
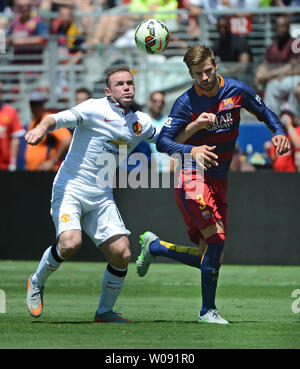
184	249
203	254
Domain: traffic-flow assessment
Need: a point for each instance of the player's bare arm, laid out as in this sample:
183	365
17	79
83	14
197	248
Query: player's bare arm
281	143
204	151
35	135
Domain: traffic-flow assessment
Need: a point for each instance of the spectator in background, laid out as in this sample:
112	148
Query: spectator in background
280	61
82	6
6	6
49	153
195	8
285	93
286	162
54	5
108	27
284	3
28	34
165	10
297	161
239	162
156	103
70	36
82	94
232	48
11	130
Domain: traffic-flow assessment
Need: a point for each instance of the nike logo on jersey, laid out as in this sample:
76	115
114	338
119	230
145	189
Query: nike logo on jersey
107	120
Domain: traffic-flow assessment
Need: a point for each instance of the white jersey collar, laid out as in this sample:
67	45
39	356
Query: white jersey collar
116	106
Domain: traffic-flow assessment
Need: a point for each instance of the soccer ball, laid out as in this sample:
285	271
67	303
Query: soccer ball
152	36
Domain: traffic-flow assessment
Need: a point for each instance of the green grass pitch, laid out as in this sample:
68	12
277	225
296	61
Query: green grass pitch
257	300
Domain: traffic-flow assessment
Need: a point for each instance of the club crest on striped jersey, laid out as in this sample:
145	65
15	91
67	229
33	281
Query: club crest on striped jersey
137	128
228	103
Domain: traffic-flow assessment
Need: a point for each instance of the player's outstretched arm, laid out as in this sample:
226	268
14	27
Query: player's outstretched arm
35	135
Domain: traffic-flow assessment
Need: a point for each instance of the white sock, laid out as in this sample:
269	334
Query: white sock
47	265
112	283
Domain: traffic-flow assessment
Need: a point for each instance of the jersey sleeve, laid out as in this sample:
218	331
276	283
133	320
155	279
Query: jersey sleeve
179	117
149	128
73	117
254	104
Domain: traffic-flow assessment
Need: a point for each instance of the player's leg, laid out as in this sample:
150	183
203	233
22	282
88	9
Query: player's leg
117	254
104	225
210	266
152	245
68	243
66	214
215	236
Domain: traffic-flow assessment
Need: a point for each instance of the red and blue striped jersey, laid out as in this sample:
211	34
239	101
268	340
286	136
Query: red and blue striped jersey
233	95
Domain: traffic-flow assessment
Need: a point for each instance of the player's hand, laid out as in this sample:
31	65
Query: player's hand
35	135
204	156
205	119
281	144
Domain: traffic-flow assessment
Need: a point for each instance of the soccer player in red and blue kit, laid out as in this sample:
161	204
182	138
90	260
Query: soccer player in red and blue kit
204	123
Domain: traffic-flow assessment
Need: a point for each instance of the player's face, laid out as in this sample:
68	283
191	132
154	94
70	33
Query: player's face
121	88
205	75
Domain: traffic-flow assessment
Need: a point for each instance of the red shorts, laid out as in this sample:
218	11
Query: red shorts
203	208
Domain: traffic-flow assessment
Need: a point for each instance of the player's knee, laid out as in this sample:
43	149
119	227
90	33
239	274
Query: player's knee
69	243
217	238
124	255
213	230
213	256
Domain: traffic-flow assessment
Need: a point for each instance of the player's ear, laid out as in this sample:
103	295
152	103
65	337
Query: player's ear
191	74
107	92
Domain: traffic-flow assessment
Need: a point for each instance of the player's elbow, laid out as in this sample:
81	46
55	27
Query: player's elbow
160	144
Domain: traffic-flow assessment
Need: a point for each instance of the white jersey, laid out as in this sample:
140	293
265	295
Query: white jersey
101	127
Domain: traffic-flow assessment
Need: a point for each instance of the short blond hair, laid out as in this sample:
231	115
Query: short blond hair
198	54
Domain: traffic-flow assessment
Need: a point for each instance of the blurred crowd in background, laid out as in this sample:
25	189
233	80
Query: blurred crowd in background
28	24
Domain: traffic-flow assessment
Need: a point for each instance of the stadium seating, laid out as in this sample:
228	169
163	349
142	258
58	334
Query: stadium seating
165	72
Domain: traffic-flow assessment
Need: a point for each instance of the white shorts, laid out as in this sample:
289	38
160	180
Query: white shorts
99	217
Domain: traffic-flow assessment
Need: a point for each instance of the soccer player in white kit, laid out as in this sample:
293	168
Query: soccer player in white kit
78	200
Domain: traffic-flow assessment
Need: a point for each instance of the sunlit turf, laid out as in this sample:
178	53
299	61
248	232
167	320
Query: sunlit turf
257	300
